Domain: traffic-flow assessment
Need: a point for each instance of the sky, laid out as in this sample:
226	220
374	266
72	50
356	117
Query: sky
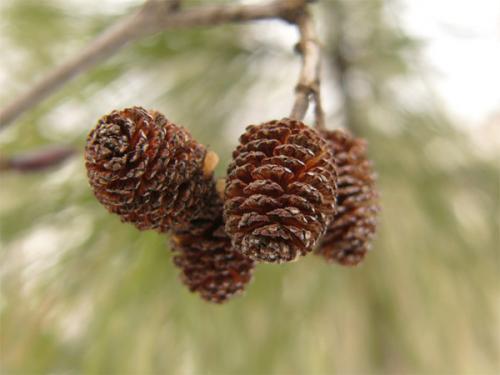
462	51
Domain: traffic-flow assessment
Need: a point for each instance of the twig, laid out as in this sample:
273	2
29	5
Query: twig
153	17
36	160
308	85
104	46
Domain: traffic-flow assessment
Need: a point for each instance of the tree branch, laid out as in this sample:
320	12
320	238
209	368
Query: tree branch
153	17
36	160
105	45
308	85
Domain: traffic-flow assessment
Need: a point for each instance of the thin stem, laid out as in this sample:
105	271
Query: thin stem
319	112
308	85
36	160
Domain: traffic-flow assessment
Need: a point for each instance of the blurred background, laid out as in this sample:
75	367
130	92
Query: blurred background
83	293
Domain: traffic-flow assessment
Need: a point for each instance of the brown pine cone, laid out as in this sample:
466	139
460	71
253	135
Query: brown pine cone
209	265
146	169
349	235
280	192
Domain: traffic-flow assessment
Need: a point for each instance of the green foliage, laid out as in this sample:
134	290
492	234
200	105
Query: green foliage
83	293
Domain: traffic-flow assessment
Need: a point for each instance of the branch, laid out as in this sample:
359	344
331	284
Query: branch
153	17
308	85
36	160
102	47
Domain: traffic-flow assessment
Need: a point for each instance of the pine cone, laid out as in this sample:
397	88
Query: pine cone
349	235
146	169
280	192
209	265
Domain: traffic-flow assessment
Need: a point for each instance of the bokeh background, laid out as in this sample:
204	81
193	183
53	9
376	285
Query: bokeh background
83	293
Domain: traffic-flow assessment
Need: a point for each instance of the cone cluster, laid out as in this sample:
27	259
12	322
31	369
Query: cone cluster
290	190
